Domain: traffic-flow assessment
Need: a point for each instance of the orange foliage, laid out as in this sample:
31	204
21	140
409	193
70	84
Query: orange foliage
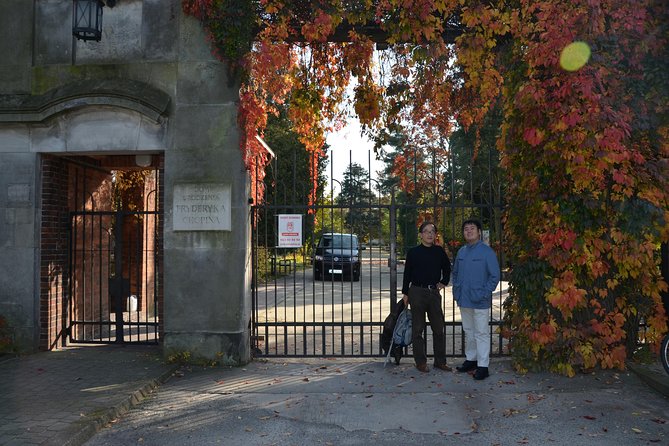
596	175
585	150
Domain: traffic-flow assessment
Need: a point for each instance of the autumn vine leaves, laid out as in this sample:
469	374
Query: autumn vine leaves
584	148
586	202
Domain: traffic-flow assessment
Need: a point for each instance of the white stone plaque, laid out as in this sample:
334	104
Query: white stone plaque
202	207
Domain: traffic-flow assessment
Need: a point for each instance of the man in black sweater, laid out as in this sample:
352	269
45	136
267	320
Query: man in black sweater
426	272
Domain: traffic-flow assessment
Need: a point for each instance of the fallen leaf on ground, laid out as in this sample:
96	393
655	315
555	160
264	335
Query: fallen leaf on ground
533	398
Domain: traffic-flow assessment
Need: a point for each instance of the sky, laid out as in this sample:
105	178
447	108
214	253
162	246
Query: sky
346	146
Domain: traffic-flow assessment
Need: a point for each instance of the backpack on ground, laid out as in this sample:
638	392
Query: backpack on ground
402	332
389	326
396	333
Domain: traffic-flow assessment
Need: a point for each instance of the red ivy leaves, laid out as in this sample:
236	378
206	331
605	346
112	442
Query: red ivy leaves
533	136
580	136
585	150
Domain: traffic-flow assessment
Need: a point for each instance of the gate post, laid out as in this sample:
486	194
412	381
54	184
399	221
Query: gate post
664	268
119	294
393	250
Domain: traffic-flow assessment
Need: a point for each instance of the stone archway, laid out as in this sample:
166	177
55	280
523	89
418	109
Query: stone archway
101	226
81	133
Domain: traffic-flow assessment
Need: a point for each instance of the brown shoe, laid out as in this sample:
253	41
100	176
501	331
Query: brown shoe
422	367
443	367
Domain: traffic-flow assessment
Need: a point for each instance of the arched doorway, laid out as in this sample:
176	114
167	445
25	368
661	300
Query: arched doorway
101	248
101	164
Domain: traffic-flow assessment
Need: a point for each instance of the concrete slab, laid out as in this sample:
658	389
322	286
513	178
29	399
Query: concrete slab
356	402
64	398
353	396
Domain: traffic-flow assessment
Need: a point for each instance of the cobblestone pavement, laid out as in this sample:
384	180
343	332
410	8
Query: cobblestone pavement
64	397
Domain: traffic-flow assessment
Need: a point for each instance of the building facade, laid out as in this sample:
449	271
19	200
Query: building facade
123	195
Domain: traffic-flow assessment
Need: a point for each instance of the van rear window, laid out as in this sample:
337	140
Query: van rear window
339	241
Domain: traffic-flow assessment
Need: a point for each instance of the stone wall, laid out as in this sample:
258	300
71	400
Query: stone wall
150	86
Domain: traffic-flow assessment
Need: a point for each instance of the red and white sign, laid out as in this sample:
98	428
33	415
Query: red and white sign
290	231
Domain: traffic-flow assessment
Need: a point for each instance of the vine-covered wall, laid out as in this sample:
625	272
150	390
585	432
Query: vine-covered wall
584	136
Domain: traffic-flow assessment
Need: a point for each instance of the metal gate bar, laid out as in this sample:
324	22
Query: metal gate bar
113	285
297	316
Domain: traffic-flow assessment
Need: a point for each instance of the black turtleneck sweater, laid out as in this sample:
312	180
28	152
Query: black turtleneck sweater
426	266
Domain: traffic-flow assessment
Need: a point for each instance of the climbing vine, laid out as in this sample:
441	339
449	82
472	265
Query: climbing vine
583	141
588	192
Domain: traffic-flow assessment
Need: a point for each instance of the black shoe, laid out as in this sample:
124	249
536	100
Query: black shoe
481	373
467	366
397	354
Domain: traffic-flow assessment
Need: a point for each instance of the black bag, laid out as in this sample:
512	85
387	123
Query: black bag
387	333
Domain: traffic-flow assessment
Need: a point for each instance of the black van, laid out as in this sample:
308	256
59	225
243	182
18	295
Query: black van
339	254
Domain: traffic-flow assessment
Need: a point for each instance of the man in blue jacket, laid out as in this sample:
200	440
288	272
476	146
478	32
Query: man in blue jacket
475	277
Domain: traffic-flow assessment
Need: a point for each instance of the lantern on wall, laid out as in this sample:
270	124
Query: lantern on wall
87	19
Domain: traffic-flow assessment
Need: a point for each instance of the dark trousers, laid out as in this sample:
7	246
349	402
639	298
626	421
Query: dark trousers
422	302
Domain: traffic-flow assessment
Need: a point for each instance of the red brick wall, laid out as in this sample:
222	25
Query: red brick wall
159	245
73	186
67	186
53	263
89	189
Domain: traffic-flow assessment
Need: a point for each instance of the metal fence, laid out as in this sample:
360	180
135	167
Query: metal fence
114	277
298	314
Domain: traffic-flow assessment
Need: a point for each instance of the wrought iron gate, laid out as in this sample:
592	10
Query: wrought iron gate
114	277
298	314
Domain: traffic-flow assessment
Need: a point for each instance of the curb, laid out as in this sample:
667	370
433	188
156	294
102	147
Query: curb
657	381
83	430
6	357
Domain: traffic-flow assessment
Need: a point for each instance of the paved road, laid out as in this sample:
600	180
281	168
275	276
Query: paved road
64	397
344	402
